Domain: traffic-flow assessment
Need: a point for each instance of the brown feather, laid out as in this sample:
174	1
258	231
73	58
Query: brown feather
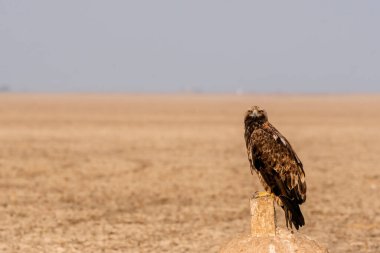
277	165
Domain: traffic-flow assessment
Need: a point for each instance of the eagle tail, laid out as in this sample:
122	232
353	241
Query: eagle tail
293	213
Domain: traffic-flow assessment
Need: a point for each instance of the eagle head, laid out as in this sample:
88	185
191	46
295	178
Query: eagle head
255	115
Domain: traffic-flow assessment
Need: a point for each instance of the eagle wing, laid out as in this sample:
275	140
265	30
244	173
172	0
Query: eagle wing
279	169
273	158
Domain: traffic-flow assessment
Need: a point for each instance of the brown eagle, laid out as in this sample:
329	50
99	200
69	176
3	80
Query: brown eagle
277	165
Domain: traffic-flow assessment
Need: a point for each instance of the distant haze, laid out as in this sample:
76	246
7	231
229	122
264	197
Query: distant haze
199	45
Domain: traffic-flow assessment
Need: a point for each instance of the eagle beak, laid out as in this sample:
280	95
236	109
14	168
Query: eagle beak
254	113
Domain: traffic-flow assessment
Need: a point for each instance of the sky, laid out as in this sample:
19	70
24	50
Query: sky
182	46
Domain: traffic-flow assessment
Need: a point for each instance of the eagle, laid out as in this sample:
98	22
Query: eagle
278	167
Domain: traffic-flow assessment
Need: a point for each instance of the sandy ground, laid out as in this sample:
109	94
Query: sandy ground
123	173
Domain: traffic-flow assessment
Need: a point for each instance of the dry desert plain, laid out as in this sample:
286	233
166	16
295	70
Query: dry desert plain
169	173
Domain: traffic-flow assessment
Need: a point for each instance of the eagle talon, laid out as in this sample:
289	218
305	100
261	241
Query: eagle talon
262	194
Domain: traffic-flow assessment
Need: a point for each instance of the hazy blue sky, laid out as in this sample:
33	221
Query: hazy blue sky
169	46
